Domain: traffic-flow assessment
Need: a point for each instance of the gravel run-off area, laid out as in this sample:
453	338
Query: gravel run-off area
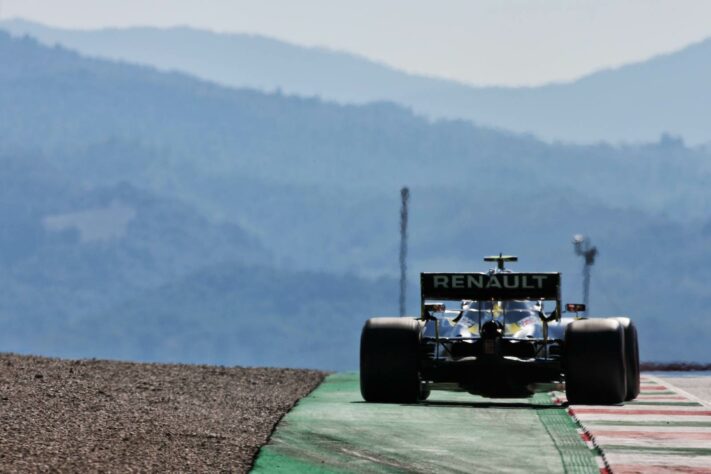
94	415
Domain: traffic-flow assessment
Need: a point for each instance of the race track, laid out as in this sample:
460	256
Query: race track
667	429
333	430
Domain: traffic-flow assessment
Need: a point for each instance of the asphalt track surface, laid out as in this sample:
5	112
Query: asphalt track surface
333	430
667	429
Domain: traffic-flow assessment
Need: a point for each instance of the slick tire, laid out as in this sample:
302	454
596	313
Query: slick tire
631	358
389	365
594	362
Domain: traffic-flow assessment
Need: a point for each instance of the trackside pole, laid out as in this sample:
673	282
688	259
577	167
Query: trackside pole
585	249
405	196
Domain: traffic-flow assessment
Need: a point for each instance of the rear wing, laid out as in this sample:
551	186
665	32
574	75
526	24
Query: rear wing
489	286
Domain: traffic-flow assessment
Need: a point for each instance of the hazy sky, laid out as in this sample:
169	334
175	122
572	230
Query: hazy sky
510	42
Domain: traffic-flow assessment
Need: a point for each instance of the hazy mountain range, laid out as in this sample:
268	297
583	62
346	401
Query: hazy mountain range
638	102
155	216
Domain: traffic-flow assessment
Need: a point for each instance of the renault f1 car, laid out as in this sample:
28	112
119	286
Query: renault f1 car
500	342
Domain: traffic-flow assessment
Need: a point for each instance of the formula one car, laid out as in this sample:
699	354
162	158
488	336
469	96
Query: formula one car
499	343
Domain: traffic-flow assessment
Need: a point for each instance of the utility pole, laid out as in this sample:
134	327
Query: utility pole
585	249
405	196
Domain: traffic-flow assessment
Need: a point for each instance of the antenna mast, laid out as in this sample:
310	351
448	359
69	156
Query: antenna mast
405	196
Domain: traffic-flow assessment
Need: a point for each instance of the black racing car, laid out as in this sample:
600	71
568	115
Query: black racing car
500	342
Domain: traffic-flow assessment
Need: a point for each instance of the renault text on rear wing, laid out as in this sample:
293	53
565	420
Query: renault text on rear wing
485	286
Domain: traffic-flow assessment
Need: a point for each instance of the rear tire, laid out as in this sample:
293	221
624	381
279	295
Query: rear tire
389	363
631	358
595	366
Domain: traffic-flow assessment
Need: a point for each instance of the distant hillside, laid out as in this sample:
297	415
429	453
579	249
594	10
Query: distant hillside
144	212
67	250
637	102
205	137
243	314
313	319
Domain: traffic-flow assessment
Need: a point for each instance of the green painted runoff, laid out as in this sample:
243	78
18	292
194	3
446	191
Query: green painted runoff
333	430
